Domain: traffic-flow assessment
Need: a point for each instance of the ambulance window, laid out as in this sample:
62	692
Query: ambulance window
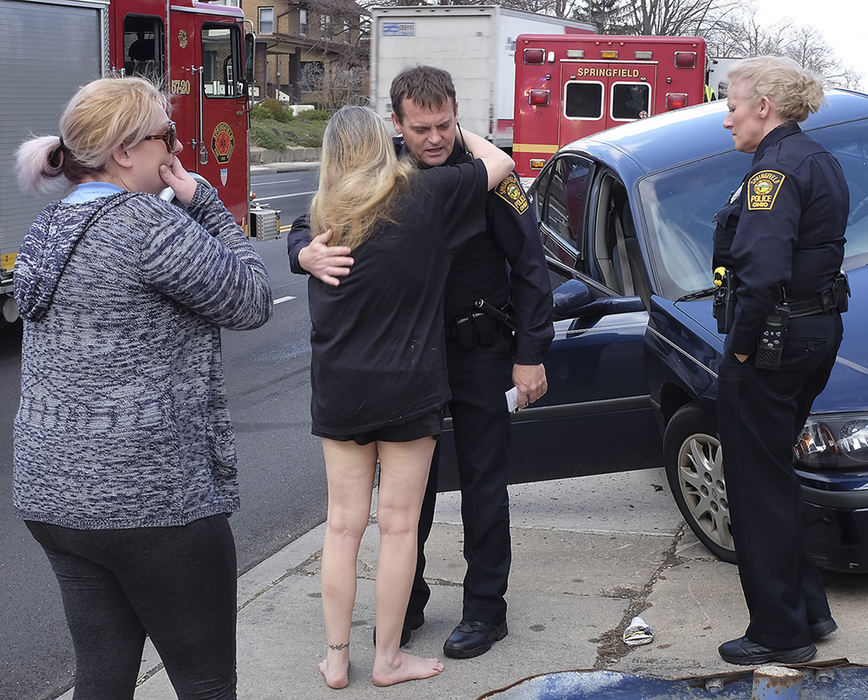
143	46
220	61
630	99
583	100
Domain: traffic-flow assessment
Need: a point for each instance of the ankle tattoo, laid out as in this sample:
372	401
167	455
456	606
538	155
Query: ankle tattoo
338	647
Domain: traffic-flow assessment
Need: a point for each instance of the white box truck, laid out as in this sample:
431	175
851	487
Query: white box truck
474	43
718	74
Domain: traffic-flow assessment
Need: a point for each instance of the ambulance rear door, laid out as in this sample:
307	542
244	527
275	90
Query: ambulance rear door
597	95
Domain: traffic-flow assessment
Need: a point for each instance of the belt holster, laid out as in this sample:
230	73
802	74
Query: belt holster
474	329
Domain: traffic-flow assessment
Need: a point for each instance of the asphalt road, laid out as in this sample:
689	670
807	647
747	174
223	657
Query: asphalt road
281	471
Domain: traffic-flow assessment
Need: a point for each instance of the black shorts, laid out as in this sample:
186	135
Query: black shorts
429	425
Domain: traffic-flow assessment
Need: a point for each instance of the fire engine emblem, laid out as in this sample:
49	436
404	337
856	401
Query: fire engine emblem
223	142
224	175
182	39
510	191
763	188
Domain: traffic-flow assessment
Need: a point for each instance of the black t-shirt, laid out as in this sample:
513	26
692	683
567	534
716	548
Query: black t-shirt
378	354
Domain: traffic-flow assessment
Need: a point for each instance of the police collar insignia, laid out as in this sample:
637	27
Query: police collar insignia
510	191
763	188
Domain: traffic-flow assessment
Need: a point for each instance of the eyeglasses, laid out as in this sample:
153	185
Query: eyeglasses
168	137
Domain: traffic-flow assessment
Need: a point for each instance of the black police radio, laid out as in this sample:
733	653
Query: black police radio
773	337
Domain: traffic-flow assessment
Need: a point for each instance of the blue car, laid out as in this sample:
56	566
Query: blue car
626	218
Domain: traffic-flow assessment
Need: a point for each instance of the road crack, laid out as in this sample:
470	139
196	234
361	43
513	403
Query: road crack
610	645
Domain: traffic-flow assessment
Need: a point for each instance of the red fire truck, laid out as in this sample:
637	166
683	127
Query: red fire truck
570	86
196	50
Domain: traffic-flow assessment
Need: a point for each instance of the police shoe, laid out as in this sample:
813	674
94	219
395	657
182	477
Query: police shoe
744	652
473	637
412	621
822	628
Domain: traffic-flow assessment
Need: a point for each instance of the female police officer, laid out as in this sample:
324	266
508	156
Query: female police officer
782	237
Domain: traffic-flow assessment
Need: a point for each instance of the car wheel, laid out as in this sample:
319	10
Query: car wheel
694	469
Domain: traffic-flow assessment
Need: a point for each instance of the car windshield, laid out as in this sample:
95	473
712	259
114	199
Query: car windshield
679	205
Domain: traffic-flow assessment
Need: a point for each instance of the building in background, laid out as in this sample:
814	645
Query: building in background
309	51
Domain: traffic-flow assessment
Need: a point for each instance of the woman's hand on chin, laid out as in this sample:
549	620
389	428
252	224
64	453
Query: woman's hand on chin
179	180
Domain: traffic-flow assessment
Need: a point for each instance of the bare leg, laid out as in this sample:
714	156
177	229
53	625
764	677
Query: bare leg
350	471
403	476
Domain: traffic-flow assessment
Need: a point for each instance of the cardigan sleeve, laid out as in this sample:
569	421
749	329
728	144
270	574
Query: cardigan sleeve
205	262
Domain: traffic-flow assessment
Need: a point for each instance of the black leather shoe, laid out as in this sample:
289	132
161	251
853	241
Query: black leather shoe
823	628
412	621
744	652
473	637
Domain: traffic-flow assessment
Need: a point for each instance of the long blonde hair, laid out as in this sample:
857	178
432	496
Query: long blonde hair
360	177
105	113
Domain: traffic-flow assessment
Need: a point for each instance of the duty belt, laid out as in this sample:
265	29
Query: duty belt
828	301
811	305
479	327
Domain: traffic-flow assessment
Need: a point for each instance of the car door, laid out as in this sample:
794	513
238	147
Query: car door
597	415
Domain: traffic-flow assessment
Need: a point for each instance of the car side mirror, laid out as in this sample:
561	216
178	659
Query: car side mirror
570	298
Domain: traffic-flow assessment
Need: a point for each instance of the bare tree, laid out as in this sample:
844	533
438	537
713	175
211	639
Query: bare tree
606	15
675	17
728	28
747	37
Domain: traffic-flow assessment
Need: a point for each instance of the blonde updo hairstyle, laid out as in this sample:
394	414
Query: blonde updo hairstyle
102	115
795	91
360	177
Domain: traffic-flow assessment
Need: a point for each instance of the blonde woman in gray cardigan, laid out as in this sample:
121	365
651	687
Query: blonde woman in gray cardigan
125	464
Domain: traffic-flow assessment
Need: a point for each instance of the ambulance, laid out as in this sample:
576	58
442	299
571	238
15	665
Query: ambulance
571	86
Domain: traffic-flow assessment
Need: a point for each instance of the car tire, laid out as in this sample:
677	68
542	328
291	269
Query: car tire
694	469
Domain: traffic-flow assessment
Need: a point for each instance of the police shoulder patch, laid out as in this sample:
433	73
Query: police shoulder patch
763	188
510	191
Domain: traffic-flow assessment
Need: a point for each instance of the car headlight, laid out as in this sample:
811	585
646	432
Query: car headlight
835	441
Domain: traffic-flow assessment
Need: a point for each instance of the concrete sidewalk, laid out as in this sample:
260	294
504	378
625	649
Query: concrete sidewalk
588	554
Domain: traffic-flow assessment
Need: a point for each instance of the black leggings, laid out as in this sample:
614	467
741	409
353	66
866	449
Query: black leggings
176	585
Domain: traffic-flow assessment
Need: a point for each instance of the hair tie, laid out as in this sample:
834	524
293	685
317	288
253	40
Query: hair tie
55	156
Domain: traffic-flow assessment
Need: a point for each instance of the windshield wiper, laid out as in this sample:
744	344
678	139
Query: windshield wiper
697	295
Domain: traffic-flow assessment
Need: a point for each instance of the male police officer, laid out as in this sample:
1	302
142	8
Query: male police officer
507	270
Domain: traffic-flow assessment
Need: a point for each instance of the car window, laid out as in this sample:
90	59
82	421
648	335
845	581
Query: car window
616	261
849	144
679	205
564	201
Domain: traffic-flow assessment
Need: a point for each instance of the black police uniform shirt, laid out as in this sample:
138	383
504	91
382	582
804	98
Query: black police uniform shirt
507	265
783	228
377	347
480	272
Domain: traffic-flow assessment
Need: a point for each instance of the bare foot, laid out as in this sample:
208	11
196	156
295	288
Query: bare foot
405	667
336	671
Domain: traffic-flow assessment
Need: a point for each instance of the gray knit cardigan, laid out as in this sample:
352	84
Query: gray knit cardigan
123	420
